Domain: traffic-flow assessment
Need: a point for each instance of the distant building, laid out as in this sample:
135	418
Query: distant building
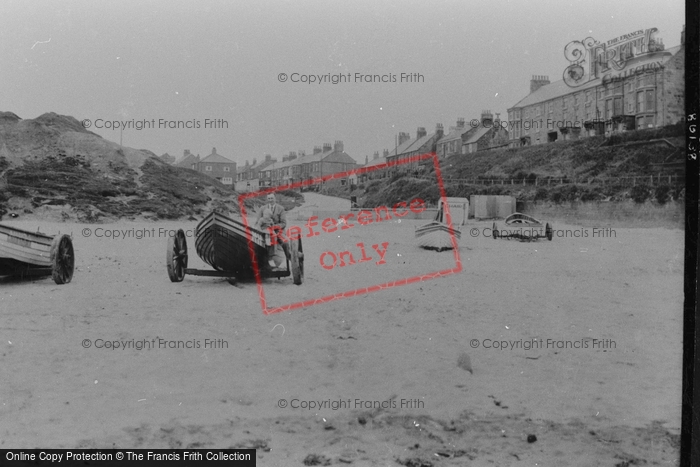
627	83
248	176
218	167
482	134
423	143
188	160
167	158
376	173
326	160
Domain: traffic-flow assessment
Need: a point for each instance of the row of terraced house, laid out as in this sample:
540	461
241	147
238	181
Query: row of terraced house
332	159
296	167
627	83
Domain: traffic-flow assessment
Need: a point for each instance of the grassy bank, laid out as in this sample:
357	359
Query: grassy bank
622	214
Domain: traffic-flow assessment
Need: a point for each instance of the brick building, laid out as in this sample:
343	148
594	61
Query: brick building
326	160
463	139
188	160
218	167
248	176
627	83
423	143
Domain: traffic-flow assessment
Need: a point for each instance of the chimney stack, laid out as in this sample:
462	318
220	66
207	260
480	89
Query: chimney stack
439	130
213	150
268	157
338	147
421	132
366	160
486	118
327	147
285	158
317	149
255	161
187	153
460	123
376	155
403	137
537	82
386	153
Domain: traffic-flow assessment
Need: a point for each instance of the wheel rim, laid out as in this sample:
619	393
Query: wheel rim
179	256
65	260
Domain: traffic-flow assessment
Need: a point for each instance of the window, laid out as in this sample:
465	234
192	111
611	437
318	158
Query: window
588	96
227	168
630	107
618	106
208	168
343	181
563	103
640	101
650	101
608	108
575	99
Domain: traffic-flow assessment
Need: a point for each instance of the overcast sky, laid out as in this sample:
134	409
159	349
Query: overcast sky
197	60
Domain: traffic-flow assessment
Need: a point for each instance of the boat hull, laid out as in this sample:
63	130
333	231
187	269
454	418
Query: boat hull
20	249
222	243
437	235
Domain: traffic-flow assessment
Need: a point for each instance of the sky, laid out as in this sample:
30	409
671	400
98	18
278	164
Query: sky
197	62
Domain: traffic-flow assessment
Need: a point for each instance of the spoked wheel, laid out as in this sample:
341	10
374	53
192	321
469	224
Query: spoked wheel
495	231
176	256
549	232
62	259
297	254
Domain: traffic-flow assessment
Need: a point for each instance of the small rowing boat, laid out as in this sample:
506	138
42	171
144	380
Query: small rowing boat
437	235
24	253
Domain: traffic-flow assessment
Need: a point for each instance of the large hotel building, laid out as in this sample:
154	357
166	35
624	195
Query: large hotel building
627	83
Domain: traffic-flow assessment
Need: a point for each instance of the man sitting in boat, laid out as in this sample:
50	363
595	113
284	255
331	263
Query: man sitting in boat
273	215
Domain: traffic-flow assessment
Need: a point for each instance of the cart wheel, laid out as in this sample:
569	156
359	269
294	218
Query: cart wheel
62	259
548	231
495	231
297	262
176	256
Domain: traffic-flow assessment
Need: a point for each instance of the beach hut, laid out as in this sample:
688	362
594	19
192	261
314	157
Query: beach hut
491	206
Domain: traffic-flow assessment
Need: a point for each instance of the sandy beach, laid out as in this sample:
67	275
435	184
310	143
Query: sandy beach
375	379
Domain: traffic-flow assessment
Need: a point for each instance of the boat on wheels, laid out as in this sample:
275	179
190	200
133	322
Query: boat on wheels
34	254
234	250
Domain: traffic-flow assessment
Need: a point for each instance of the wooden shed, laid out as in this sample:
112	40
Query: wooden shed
491	206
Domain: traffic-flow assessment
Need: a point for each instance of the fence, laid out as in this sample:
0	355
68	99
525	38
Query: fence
623	181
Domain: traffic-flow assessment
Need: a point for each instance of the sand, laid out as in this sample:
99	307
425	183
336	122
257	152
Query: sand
385	369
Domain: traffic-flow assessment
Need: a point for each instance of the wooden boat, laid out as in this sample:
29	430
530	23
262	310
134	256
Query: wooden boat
437	235
222	243
524	228
520	218
24	253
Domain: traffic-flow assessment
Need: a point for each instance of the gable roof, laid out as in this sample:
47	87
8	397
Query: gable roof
217	158
455	133
476	136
